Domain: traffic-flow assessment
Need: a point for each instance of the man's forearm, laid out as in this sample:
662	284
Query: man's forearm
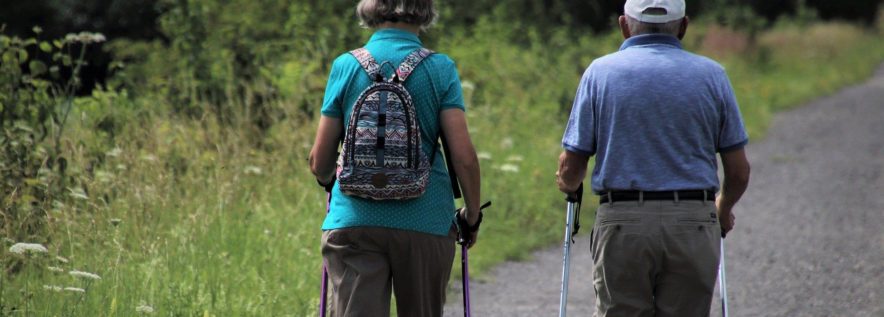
732	189
731	193
736	178
572	171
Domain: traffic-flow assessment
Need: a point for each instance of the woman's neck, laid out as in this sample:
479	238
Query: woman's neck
402	26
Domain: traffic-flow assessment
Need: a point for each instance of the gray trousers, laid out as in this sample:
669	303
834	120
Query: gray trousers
366	263
655	258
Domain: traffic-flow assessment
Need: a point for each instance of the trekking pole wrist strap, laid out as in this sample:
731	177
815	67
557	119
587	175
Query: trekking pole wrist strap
465	226
328	187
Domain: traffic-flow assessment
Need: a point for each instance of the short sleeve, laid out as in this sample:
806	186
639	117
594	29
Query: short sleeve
452	94
580	134
334	90
732	135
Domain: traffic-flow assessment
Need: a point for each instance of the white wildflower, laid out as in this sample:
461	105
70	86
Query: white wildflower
115	152
116	221
467	85
85	38
515	158
62	259
511	168
53	288
78	193
22	248
98	37
103	176
149	157
75	289
144	308
484	155
267	232
121	167
86	275
506	142
55	269
252	170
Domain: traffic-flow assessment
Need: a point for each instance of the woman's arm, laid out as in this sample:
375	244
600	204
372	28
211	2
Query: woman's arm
464	160
325	148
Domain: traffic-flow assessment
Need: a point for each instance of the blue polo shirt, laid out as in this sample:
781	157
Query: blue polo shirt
654	116
434	86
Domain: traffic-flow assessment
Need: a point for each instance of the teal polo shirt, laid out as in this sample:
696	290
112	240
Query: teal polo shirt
434	86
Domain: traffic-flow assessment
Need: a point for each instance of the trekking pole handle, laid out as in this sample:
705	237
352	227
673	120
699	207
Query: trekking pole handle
576	196
575	199
464	229
327	187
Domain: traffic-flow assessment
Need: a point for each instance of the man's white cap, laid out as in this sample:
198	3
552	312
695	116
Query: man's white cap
664	10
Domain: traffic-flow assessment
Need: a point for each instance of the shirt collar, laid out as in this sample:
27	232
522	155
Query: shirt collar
397	34
651	39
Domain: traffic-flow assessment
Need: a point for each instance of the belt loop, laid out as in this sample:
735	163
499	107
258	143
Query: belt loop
610	199
675	194
705	193
641	198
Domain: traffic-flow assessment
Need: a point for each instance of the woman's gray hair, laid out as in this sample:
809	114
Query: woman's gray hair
373	13
637	27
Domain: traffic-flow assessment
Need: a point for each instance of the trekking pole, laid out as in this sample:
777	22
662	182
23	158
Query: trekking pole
323	293
465	272
464	240
722	285
571	221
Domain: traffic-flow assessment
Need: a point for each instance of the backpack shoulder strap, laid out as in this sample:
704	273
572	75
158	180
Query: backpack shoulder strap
366	61
410	63
455	186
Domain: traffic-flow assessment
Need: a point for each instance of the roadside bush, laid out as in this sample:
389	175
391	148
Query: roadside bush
33	114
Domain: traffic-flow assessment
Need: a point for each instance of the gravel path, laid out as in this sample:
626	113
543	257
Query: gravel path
809	239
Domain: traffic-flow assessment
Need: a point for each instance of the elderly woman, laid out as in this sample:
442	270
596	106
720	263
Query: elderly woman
406	246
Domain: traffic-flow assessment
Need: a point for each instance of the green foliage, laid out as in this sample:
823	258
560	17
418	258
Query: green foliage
804	16
736	16
33	115
229	58
803	63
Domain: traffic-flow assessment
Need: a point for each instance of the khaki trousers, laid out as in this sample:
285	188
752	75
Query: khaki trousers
366	263
655	258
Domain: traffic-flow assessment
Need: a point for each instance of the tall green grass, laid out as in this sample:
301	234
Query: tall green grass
795	65
198	218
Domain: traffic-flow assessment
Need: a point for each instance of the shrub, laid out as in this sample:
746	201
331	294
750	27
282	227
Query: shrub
33	115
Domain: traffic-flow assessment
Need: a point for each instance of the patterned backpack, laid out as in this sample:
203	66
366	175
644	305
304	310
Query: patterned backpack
382	157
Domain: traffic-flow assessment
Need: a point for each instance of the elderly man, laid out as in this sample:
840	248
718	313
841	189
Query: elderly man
655	116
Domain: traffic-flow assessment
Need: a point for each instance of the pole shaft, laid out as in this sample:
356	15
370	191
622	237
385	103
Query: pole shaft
323	293
566	260
464	264
722	279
